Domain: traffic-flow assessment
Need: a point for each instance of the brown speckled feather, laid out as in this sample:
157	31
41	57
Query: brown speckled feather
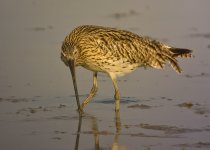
113	50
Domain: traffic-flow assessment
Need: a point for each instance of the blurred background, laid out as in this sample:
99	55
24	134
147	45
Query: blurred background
32	32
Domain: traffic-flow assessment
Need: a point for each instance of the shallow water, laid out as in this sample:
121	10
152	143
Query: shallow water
159	109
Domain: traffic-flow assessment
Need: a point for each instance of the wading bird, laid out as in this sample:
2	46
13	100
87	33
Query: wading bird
115	52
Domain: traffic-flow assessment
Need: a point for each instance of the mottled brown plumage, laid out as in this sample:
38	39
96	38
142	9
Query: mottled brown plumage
115	52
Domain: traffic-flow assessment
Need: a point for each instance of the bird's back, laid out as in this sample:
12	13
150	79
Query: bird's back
112	50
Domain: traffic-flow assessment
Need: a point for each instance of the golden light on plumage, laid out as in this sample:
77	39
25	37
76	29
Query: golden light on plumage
114	52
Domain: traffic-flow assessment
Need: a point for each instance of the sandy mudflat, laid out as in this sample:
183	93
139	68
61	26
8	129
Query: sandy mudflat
160	110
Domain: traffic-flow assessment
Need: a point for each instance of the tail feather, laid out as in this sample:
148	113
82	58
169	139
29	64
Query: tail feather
174	65
168	54
180	52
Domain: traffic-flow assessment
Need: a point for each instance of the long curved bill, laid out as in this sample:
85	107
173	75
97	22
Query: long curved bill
72	69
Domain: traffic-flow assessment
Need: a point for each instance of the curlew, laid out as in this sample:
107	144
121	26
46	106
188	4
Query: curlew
115	52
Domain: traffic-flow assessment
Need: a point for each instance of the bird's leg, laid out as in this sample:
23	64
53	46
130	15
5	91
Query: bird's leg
117	93
92	92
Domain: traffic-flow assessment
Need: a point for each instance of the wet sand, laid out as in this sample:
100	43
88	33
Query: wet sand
159	108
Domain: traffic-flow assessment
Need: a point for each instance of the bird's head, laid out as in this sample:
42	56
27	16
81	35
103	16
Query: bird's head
68	56
67	53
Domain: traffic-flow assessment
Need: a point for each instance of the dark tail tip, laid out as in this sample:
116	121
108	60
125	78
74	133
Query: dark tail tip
181	52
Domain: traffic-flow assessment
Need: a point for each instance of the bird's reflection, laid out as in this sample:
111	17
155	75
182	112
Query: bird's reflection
96	133
78	132
116	145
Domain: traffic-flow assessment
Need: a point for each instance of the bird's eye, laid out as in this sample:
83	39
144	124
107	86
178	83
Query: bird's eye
63	53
